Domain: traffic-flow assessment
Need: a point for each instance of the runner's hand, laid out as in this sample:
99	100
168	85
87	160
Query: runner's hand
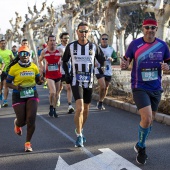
164	66
41	80
124	63
19	88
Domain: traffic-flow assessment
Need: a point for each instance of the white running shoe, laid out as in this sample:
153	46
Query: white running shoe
70	109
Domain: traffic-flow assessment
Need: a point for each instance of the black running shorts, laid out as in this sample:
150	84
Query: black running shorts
82	93
143	98
107	78
3	76
16	98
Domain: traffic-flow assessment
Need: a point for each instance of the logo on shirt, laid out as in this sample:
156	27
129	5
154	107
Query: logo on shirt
155	56
82	58
26	73
140	45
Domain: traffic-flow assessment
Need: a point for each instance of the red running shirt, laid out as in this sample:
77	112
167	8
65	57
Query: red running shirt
52	64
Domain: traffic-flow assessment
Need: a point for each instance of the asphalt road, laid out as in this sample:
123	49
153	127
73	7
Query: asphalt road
110	134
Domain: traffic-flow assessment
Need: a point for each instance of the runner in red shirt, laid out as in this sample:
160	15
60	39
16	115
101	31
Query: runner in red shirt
53	75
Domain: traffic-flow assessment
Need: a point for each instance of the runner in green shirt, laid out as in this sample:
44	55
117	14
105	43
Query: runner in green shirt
7	57
2	65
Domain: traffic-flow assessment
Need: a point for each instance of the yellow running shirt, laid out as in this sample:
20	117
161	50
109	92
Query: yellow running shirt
23	76
7	56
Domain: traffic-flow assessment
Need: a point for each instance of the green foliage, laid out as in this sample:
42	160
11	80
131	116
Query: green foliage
83	2
134	23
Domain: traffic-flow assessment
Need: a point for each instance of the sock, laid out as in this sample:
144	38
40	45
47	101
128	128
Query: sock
78	134
142	135
69	103
150	129
59	97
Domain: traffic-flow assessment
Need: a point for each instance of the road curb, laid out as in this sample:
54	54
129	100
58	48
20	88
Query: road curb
159	117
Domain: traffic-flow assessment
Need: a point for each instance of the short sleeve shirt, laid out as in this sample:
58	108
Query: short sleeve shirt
146	71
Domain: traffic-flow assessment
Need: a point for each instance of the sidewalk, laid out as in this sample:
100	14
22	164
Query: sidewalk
159	117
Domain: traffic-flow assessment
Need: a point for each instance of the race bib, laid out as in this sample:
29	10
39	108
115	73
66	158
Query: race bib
149	74
83	77
52	67
28	92
107	67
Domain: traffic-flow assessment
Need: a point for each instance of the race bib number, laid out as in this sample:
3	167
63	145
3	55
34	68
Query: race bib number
107	67
149	74
83	77
25	93
52	67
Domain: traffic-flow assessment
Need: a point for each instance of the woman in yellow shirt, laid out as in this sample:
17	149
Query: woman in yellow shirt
23	76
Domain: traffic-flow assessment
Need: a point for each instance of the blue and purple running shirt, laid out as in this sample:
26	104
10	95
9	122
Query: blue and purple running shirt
146	70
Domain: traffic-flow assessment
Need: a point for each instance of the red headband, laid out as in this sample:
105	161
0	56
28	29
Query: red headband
150	22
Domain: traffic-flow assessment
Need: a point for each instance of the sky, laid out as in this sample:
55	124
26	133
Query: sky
9	7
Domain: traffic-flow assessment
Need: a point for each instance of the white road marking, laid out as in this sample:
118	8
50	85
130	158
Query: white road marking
108	160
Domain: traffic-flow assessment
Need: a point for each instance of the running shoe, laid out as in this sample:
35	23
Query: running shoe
100	106
84	139
70	109
45	86
28	147
51	112
58	103
79	142
54	113
5	103
17	130
141	154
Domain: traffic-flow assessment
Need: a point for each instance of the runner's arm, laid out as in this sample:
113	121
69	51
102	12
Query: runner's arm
40	61
99	55
2	67
65	59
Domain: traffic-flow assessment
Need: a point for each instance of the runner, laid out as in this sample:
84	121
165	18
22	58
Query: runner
2	65
32	55
53	75
105	79
14	51
7	57
39	54
82	54
22	78
150	57
64	37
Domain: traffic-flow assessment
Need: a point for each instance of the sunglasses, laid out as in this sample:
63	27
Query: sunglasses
66	38
104	38
24	53
83	31
150	27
